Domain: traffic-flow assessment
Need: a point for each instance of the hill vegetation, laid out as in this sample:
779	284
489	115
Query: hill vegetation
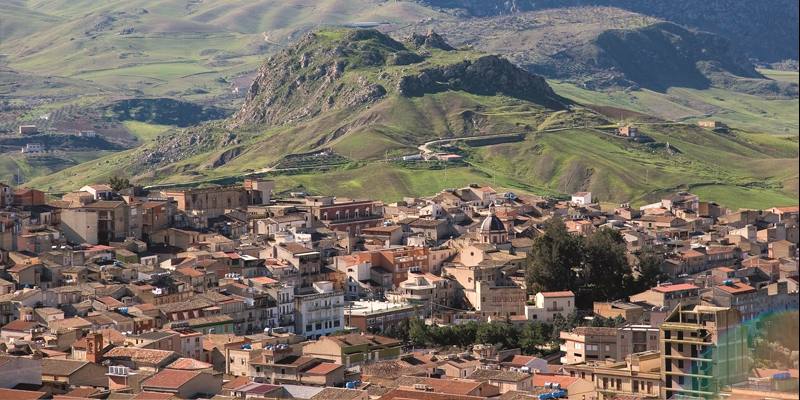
364	99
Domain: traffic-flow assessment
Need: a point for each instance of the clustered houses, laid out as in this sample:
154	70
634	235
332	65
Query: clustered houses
232	291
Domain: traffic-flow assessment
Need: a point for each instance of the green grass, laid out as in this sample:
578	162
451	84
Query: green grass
145	132
617	170
742	197
30	167
785	76
753	113
386	182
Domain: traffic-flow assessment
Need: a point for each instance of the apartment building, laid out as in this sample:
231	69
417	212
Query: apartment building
588	343
703	349
635	377
319	310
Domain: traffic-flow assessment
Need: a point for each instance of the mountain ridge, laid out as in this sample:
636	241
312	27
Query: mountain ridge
332	70
748	24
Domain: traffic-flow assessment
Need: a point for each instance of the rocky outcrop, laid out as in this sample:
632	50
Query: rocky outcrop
343	70
307	79
431	40
488	75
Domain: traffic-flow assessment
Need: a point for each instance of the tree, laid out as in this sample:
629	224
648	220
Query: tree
532	336
118	183
650	272
398	331
497	333
553	257
561	323
605	268
418	332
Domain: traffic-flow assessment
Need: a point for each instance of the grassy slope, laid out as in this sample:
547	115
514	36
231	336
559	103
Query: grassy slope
387	182
681	104
740	171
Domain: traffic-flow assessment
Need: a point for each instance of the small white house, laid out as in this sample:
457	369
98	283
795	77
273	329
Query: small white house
548	304
582	198
99	192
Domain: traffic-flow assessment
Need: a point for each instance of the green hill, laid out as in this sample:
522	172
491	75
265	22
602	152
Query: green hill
362	99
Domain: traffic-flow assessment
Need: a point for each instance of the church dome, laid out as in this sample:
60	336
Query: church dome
492	224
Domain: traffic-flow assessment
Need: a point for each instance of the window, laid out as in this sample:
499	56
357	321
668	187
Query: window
579	346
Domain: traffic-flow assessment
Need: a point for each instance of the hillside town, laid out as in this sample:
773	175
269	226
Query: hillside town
241	292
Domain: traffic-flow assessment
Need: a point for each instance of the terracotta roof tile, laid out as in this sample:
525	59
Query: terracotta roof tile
170	379
13	394
566	293
323	369
736	288
674	288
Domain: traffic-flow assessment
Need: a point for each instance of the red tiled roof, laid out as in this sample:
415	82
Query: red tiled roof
110	301
736	288
170	379
81	392
236	382
674	288
519	360
719	249
565	293
449	386
19	325
189	364
13	394
100	247
691	253
323	369
190	272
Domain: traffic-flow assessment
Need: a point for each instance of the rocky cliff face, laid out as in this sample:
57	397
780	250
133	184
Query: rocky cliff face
340	70
488	75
